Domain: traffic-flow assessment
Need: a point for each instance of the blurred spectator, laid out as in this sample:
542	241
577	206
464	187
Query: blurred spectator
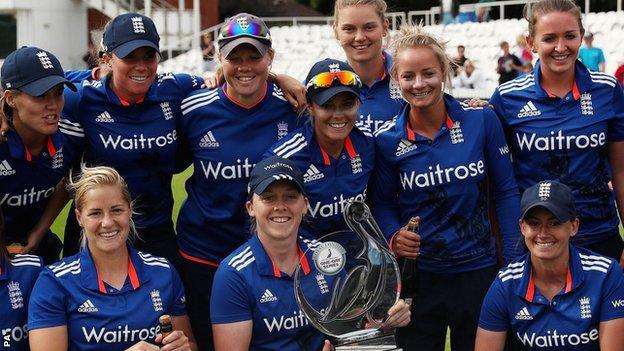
209	64
469	77
483	13
459	60
591	56
450	10
522	50
509	65
619	74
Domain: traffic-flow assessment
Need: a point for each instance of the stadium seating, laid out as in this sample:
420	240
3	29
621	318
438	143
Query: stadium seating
298	47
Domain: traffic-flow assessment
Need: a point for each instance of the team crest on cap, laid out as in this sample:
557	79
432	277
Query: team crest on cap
137	24
334	67
45	60
544	191
15	295
243	22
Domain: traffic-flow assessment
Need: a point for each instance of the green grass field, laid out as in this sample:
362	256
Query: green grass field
179	195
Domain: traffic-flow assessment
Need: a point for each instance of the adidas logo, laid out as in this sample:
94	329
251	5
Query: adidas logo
529	110
524	314
5	169
87	307
312	174
267	297
208	141
404	147
104	117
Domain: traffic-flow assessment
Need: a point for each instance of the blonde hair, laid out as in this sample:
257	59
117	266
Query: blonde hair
415	36
95	177
532	12
380	7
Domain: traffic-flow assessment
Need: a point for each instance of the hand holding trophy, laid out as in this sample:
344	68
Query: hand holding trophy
352	293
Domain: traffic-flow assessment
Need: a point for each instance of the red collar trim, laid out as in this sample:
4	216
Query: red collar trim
302	259
348	144
126	103
449	122
132	274
575	92
530	293
49	146
236	102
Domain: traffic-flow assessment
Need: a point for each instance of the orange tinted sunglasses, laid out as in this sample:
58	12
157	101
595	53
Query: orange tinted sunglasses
326	79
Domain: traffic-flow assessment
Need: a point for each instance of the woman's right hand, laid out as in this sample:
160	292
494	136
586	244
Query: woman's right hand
143	346
406	243
176	341
327	346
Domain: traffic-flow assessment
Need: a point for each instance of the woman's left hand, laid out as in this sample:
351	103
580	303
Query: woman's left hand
176	341
293	90
398	315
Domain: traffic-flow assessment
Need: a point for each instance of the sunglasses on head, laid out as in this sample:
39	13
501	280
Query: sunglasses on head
326	79
252	29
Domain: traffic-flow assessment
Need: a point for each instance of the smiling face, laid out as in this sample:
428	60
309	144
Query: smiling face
134	74
246	72
420	76
557	39
36	115
105	215
334	120
545	236
278	211
360	32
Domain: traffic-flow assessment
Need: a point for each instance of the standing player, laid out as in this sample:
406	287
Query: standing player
566	123
227	130
17	278
255	307
557	297
360	27
109	296
129	120
338	156
36	156
436	161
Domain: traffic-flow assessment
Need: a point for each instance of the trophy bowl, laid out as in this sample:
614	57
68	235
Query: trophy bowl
352	282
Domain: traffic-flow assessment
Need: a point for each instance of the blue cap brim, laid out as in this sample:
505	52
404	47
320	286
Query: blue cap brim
125	49
263	185
562	215
41	86
227	45
322	95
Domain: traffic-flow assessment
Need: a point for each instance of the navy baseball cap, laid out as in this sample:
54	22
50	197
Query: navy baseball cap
244	28
271	170
553	196
33	71
128	32
329	77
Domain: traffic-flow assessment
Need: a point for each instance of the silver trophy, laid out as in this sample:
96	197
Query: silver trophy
353	281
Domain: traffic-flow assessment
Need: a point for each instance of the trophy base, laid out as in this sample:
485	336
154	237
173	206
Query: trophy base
368	339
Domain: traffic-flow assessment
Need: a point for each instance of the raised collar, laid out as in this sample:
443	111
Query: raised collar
19	151
318	154
406	132
91	279
575	276
265	264
267	91
582	81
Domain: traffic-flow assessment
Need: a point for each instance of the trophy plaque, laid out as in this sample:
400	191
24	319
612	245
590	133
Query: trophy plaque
353	282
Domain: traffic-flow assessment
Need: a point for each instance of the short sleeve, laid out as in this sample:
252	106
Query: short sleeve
47	305
189	83
178	303
494	312
616	125
229	302
612	302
